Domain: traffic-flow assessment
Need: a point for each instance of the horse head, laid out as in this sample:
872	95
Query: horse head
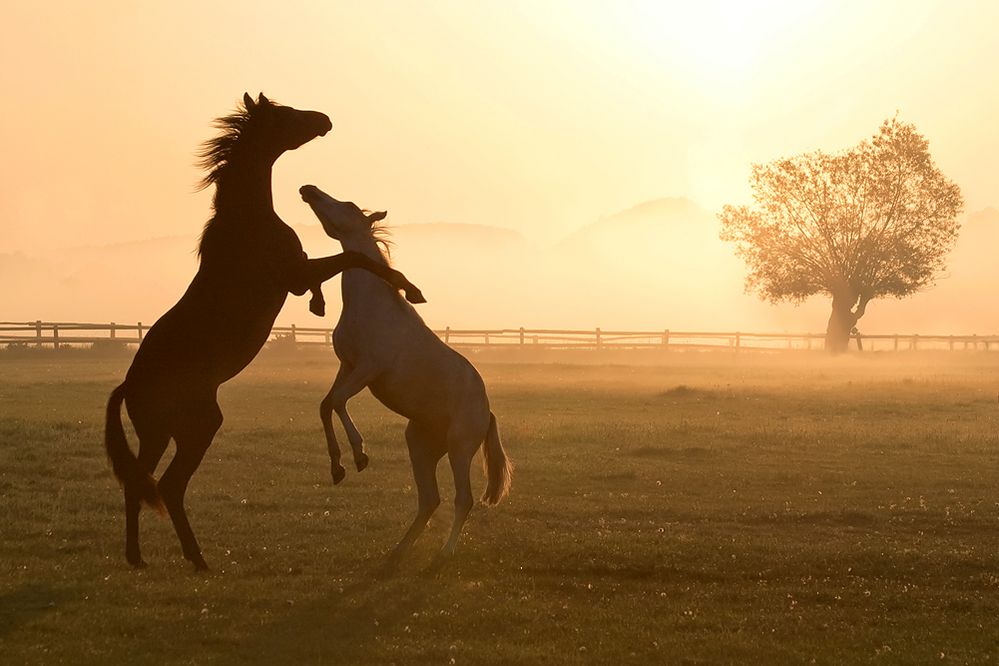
282	128
341	220
257	134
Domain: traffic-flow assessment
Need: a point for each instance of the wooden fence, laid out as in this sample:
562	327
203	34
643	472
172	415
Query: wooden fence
56	334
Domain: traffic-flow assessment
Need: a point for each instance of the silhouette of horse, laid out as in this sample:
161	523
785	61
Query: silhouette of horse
250	260
383	344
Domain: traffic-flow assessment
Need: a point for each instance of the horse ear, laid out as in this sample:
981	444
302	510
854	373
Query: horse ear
376	216
262	100
248	101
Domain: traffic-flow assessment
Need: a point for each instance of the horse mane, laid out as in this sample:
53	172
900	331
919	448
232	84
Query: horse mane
382	234
215	156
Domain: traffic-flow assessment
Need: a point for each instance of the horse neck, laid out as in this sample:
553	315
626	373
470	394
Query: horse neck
245	186
358	282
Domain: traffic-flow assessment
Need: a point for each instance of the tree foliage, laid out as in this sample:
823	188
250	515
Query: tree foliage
873	221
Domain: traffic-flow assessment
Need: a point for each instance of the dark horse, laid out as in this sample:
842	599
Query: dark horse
250	260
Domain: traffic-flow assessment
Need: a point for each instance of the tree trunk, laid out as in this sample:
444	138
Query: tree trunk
842	320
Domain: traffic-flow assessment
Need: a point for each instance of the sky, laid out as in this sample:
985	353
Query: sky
535	116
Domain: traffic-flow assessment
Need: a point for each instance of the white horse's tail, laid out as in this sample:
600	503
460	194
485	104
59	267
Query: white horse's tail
498	468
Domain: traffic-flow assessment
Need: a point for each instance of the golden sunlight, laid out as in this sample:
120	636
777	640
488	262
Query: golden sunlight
707	286
719	44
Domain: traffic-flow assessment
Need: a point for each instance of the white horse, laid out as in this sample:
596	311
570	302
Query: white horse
383	344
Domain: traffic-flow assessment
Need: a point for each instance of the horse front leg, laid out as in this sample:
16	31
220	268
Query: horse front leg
326	416
317	304
349	382
312	272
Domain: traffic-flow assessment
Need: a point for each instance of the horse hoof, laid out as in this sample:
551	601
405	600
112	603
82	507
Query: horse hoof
137	563
199	562
338	473
361	460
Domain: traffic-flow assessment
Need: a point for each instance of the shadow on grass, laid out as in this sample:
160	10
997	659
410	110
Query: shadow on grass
353	624
27	602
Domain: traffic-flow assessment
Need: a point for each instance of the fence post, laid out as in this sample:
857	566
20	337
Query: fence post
915	341
447	334
113	331
521	336
294	339
666	339
38	331
139	327
896	342
487	339
598	337
328	338
55	336
738	341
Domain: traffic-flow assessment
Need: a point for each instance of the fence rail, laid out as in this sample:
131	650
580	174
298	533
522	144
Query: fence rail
56	334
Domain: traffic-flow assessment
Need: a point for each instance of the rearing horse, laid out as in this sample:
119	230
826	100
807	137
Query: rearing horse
250	260
383	344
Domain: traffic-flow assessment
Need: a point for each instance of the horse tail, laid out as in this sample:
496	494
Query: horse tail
498	467
123	461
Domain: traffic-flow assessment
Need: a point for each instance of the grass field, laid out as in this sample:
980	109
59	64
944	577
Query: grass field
712	509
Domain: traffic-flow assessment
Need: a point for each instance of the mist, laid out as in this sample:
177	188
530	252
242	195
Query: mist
656	265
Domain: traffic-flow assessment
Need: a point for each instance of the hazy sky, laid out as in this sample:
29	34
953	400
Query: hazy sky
539	116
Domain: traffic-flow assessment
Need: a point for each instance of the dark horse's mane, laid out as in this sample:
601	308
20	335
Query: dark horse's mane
216	153
216	156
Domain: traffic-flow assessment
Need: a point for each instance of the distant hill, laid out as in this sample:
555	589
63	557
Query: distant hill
649	219
659	264
665	256
467	271
138	281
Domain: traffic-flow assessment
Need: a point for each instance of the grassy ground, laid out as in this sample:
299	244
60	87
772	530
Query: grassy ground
712	509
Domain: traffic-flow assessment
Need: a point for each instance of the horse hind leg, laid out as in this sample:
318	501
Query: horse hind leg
151	448
462	443
332	446
349	382
192	443
425	452
354	437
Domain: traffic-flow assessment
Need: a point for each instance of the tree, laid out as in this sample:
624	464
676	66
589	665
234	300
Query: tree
874	221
